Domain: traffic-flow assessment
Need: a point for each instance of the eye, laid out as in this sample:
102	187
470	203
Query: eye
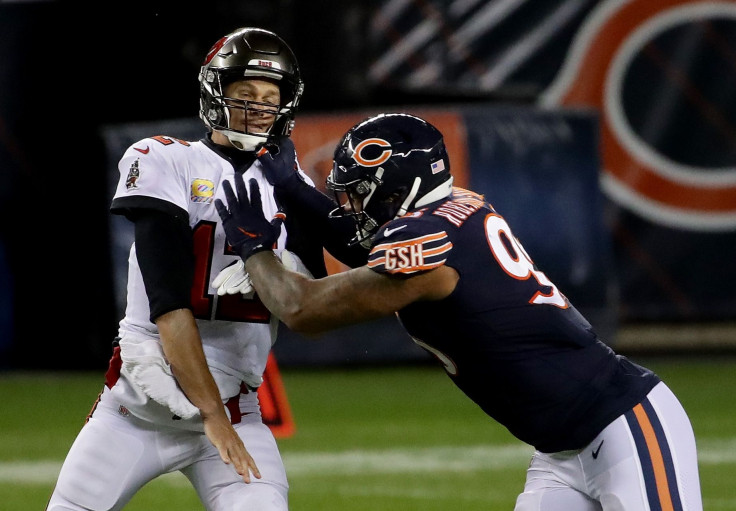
391	198
355	197
362	188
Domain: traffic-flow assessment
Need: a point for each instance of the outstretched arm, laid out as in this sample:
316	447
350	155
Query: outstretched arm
312	306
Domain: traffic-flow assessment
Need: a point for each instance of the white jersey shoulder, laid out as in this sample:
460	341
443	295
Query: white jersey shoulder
170	169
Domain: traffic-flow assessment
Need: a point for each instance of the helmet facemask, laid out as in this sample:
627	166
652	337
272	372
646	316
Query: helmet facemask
219	112
352	199
369	204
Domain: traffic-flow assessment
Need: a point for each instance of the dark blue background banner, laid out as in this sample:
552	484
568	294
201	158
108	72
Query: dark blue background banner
540	171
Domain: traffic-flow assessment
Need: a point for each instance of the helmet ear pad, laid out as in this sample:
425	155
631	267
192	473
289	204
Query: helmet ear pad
216	114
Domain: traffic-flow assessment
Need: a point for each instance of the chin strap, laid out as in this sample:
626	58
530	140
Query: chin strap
242	141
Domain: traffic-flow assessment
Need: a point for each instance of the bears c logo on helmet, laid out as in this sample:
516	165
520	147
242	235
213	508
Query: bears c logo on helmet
367	162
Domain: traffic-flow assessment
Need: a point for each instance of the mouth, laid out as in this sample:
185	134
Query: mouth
259	128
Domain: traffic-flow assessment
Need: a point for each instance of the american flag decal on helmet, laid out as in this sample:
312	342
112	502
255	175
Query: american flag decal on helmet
438	166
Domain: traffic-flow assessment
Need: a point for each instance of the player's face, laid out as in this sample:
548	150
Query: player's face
253	105
351	201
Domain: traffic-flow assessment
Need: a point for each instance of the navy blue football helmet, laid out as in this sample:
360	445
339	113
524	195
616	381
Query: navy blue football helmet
386	166
249	53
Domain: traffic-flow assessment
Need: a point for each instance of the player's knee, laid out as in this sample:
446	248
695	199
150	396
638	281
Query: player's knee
58	504
528	502
253	497
557	499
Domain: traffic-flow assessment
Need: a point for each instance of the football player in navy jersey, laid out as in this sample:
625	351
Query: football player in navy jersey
608	434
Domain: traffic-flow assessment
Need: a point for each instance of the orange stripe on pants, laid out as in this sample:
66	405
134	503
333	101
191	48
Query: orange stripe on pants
660	476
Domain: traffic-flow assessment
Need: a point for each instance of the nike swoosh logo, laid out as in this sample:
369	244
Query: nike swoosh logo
144	151
389	232
249	234
598	450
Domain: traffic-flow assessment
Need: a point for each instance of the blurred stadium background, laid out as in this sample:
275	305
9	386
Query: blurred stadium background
604	130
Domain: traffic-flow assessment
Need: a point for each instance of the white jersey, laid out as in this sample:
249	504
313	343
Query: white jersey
237	333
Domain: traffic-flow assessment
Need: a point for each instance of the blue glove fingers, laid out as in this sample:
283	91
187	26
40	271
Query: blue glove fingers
240	188
255	197
221	209
232	202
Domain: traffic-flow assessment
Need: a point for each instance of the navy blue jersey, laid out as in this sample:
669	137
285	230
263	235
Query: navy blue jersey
507	336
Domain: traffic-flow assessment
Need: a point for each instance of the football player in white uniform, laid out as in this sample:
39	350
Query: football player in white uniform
180	392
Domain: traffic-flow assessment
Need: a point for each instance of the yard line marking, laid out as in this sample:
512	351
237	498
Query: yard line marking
426	459
375	461
30	472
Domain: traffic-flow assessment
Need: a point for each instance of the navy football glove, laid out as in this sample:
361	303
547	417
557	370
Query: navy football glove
247	230
280	168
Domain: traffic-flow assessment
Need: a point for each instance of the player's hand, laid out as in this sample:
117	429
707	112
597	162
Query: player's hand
223	436
233	279
247	230
279	164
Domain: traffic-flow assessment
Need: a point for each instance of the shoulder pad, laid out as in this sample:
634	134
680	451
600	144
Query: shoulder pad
408	246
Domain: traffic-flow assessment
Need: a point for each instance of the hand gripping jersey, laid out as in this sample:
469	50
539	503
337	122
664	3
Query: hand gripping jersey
178	177
507	336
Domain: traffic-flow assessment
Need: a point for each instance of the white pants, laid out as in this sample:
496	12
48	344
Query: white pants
645	460
116	453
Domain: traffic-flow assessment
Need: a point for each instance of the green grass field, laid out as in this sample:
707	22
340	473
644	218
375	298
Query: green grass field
366	439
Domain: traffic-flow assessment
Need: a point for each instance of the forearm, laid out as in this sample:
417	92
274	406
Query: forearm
183	349
182	346
282	292
313	306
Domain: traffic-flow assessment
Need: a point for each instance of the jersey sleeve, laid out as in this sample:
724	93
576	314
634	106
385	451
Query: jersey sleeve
406	247
165	253
305	177
151	178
